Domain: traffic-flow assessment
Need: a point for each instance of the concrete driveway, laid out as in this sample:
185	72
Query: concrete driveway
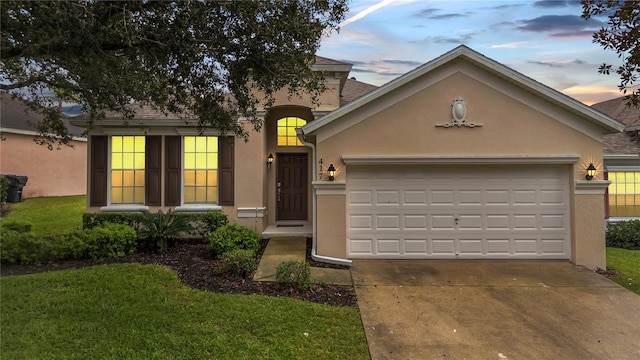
494	310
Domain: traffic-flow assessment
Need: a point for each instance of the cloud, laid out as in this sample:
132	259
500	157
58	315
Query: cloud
462	39
511	45
430	13
365	12
451	16
560	25
557	63
555	3
427	12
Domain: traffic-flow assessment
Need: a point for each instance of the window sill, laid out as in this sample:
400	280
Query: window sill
124	208
198	208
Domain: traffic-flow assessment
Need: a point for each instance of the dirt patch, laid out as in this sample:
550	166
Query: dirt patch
198	268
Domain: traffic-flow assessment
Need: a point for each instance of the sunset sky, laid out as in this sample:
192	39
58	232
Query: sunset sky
545	40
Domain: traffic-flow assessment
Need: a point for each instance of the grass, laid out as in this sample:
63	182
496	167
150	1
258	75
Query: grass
627	263
50	216
133	311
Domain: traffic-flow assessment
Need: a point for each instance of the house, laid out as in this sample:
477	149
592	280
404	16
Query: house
57	172
622	161
461	158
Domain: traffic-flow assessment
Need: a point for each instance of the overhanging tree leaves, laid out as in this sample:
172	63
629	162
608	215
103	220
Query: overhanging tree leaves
621	34
198	59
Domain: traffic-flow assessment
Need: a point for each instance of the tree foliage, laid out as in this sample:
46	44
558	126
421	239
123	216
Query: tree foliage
198	59
622	35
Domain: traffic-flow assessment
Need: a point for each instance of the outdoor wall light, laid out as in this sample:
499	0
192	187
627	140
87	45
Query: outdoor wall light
332	172
269	161
591	172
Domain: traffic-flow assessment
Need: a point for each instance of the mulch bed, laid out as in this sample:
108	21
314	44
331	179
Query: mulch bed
197	268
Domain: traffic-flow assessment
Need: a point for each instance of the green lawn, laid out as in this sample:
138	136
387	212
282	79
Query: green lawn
627	263
132	311
51	215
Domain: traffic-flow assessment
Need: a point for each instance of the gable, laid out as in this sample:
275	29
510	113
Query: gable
508	119
475	65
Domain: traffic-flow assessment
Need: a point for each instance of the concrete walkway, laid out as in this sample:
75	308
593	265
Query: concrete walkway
281	249
494	310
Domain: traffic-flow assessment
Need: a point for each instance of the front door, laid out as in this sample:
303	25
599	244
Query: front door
292	187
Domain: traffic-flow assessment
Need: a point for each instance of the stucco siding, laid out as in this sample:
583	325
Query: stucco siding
332	226
509	127
58	172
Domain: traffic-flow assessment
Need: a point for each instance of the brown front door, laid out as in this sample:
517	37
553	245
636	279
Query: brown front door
292	187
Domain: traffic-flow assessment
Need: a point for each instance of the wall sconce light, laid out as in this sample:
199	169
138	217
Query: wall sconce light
332	172
269	161
591	172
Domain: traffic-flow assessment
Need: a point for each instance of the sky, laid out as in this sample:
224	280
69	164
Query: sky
545	40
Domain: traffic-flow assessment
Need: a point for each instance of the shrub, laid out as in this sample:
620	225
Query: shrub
232	237
239	262
17	226
208	222
72	246
110	241
162	228
624	234
294	273
91	220
22	247
4	189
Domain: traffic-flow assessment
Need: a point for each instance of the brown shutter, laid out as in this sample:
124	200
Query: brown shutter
152	171
99	170
173	166
225	170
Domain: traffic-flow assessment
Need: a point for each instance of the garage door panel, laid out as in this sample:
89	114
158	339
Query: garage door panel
458	212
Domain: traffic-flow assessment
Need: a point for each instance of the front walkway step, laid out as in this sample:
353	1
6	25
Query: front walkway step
280	249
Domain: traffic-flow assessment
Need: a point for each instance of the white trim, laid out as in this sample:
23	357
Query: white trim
198	208
591	187
251	212
617	219
186	131
35	133
132	131
616	168
476	160
626	157
330	187
124	208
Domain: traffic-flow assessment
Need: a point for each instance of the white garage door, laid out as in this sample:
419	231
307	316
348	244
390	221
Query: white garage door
462	212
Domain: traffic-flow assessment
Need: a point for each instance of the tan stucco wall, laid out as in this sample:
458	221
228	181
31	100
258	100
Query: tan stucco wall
327	101
332	211
515	123
51	172
250	171
509	128
588	231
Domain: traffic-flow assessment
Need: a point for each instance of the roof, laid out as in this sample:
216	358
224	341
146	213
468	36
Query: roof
354	89
621	143
463	52
14	115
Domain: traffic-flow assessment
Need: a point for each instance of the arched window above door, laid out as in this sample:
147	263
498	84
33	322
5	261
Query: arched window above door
287	131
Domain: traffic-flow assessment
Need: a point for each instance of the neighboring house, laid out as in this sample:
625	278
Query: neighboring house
461	158
57	172
622	161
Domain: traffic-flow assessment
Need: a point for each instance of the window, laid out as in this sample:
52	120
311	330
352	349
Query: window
287	131
200	169
624	194
127	169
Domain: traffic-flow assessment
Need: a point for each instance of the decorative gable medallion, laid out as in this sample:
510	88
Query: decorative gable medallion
458	115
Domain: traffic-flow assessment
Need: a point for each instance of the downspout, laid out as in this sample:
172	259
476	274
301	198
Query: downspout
314	231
